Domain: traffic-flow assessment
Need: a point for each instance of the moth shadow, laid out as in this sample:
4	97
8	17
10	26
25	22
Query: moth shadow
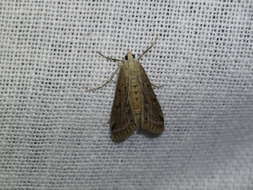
147	134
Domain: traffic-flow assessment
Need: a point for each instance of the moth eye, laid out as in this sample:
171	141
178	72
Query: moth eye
133	55
126	57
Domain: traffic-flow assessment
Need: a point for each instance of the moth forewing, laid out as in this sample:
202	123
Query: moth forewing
153	120
151	114
122	122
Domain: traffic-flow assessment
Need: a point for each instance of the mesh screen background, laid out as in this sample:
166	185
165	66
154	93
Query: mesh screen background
55	135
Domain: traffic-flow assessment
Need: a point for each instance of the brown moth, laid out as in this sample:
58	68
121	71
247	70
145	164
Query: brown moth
135	104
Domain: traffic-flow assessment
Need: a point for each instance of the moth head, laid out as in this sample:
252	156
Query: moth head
129	56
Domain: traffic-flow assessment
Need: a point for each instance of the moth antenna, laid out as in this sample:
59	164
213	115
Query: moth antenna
109	58
152	44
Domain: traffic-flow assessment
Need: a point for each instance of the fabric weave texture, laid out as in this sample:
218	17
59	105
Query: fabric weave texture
55	135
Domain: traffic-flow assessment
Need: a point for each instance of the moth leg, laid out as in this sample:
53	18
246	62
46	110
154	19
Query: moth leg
152	44
109	58
157	86
106	82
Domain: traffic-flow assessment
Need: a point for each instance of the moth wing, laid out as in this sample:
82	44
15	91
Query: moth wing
121	123
152	119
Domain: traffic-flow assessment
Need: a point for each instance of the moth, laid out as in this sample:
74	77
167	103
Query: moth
135	105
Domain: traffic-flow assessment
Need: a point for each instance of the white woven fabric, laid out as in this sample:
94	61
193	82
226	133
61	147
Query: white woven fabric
55	135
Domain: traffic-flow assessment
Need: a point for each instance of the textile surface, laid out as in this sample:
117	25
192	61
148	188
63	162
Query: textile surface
54	134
